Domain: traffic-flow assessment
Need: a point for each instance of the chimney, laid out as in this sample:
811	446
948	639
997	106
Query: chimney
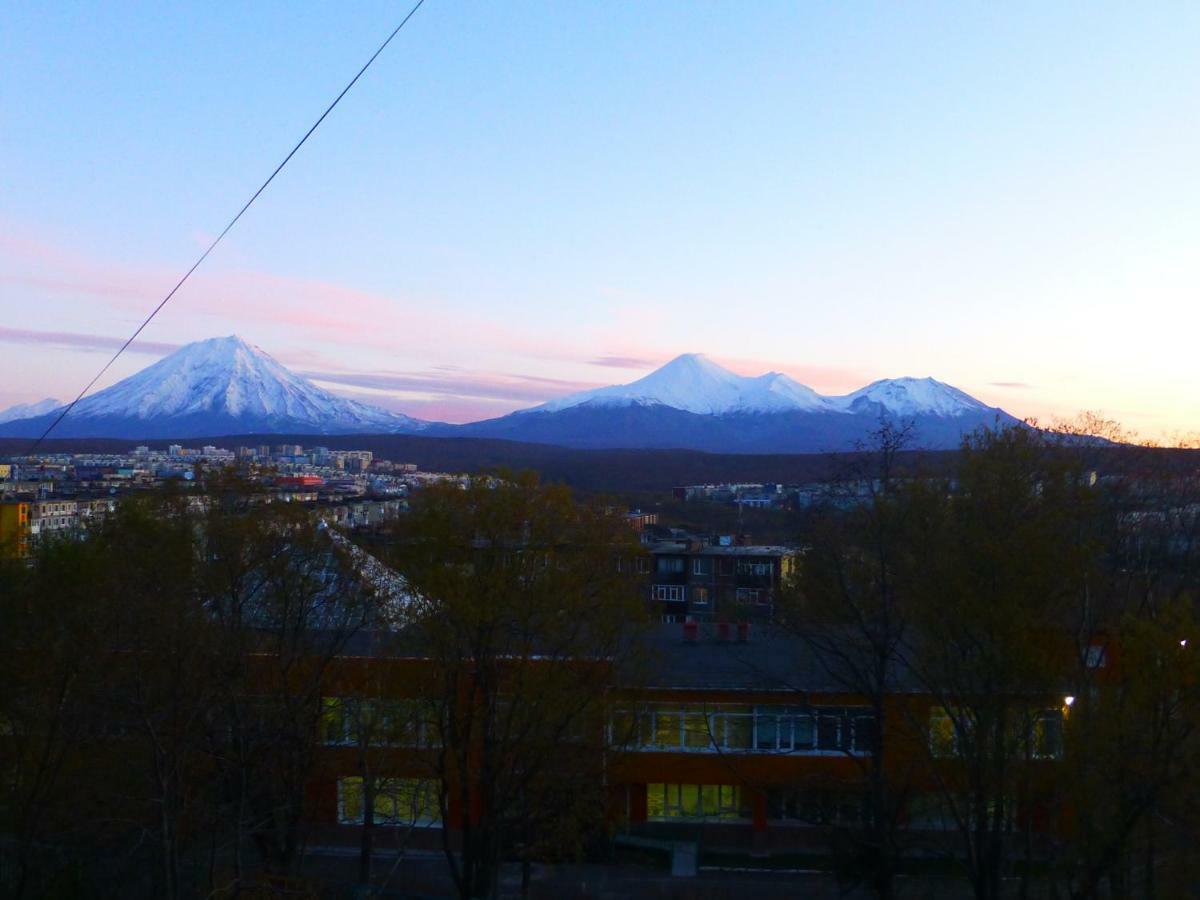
691	630
723	632
743	631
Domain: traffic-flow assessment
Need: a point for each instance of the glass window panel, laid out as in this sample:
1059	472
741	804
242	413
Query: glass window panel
406	801
710	800
803	732
656	795
864	733
695	731
689	800
333	726
739	731
829	732
667	728
351	800
731	804
766	727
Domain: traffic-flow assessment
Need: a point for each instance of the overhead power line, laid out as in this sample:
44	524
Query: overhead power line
203	256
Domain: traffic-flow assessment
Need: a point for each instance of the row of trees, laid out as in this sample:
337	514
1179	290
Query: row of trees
165	685
1041	569
160	696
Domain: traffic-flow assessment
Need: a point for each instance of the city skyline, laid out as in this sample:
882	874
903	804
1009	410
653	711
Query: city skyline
520	204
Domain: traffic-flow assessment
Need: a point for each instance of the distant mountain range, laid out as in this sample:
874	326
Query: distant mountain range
225	386
30	410
693	403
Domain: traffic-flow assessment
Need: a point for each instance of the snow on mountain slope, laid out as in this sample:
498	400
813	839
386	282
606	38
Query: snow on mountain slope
29	410
911	397
219	386
696	384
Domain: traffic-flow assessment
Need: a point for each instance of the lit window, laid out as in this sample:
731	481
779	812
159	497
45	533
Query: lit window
398	801
695	801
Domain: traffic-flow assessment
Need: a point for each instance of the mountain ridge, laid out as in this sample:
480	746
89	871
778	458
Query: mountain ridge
226	386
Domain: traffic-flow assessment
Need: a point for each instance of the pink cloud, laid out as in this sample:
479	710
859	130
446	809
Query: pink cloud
624	362
78	341
493	387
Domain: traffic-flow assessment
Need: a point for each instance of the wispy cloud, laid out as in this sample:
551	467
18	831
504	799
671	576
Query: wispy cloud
76	341
518	389
1013	385
623	362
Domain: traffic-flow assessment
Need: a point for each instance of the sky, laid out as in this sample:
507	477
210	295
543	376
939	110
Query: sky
522	200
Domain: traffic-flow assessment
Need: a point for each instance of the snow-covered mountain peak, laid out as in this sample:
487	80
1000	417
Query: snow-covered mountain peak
220	386
694	383
912	397
29	410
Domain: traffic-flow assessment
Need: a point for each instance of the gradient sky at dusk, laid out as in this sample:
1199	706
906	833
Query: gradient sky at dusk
525	199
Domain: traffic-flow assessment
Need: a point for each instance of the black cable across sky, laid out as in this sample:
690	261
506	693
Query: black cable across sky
203	256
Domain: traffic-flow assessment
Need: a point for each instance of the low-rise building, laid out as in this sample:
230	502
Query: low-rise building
714	581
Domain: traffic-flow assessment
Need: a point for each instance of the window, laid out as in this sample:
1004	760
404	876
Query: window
943	737
862	733
755	569
700	596
695	801
1046	741
751	595
816	806
382	723
643	565
667	728
669	565
668	592
702	565
782	728
1096	657
701	728
829	732
673	619
398	801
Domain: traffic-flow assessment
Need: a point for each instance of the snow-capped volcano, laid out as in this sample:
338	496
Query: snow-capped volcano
696	384
693	403
911	397
217	386
28	410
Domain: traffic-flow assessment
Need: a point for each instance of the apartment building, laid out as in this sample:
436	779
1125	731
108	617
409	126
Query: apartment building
714	581
53	518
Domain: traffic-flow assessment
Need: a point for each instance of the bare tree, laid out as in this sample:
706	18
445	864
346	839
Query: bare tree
526	620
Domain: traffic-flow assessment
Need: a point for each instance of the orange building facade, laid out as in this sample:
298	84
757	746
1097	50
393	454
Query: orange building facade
743	745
